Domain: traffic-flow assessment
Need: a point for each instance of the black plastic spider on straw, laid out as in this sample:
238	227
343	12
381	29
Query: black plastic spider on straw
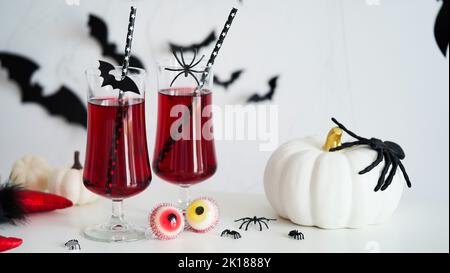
170	141
186	69
390	151
121	111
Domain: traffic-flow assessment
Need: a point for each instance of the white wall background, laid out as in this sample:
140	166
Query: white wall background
376	68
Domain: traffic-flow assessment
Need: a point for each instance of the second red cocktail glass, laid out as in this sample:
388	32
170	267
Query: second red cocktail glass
184	152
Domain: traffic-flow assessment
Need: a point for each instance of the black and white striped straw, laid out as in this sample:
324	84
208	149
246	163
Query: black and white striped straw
216	49
126	60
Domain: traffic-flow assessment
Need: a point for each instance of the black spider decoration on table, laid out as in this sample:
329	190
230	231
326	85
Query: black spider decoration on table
390	151
295	234
186	69
73	245
231	233
255	220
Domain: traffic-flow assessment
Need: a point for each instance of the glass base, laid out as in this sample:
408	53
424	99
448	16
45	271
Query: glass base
114	232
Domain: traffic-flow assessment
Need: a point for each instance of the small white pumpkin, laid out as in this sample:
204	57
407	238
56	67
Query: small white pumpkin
313	187
31	172
68	182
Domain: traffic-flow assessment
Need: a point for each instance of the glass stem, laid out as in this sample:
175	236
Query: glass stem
117	218
184	198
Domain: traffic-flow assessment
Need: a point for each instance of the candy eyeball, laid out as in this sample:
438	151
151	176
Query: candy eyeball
166	222
202	214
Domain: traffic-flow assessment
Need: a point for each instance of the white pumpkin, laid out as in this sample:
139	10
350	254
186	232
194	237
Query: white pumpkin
31	172
313	187
68	182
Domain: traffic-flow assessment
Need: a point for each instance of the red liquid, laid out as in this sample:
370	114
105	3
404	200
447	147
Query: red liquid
117	164
183	161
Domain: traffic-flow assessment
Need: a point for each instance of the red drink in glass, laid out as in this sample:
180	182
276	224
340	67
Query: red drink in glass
117	164
185	161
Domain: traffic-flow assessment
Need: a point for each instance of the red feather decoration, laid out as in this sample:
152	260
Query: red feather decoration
7	243
33	201
16	203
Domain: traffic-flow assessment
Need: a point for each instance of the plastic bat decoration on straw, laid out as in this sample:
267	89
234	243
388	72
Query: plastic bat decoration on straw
268	95
62	103
391	152
195	46
99	31
126	84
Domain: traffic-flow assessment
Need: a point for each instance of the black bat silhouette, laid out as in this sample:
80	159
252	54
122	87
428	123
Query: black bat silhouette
225	83
99	31
268	95
63	102
441	28
196	46
126	85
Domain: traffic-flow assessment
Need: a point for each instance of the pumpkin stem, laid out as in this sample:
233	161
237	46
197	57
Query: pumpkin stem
333	139
76	161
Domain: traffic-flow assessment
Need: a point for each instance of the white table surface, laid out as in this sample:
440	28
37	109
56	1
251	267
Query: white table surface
413	228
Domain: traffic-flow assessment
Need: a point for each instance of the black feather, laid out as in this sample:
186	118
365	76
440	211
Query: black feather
63	102
225	83
196	46
11	210
267	96
99	30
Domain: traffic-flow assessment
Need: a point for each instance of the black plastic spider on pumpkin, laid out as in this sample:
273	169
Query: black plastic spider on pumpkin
186	69
255	220
390	151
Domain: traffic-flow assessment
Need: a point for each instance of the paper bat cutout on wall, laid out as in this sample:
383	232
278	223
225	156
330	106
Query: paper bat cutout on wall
63	103
99	30
196	46
225	83
441	28
126	85
268	95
